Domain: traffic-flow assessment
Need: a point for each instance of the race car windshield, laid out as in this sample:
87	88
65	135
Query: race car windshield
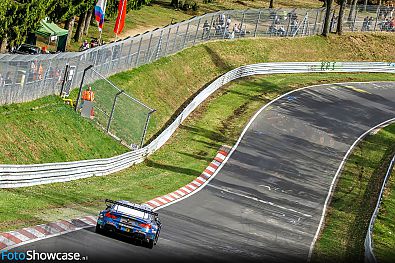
132	212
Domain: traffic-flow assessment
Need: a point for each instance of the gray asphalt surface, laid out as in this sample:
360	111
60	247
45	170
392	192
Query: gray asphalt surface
266	203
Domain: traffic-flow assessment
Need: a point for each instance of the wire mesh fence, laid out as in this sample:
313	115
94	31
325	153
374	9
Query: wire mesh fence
28	77
117	113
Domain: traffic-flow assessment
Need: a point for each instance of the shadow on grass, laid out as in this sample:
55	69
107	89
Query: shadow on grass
172	168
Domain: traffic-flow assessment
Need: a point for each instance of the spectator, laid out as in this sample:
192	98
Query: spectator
84	46
206	30
44	50
228	22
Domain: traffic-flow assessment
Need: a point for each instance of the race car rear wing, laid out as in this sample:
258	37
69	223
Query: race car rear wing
132	207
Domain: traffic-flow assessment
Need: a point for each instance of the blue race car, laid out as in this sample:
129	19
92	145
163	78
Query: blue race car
128	219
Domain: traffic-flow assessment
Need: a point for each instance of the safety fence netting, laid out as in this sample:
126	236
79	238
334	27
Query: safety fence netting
120	115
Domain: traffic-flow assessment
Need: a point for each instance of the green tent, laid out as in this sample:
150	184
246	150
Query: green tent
49	29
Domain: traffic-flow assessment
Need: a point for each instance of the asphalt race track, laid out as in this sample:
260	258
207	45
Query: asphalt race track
266	202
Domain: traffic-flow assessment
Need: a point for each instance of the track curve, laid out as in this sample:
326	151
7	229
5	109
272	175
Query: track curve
266	202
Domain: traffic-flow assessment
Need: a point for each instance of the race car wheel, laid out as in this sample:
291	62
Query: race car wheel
150	244
99	229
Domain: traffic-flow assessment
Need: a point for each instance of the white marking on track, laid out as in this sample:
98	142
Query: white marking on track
259	200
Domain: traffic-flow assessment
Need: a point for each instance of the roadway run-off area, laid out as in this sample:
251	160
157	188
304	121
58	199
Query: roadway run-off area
266	203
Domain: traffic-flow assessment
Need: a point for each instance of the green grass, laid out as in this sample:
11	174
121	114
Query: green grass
47	130
176	78
384	227
167	84
219	121
354	201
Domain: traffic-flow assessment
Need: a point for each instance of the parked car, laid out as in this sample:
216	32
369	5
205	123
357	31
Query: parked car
28	49
132	220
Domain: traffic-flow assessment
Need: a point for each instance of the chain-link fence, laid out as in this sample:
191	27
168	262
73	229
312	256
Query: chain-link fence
120	115
28	77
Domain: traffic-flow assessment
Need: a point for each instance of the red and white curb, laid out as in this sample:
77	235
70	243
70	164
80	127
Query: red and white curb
27	235
195	185
17	238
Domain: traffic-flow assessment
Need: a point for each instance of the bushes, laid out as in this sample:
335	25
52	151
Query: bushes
185	5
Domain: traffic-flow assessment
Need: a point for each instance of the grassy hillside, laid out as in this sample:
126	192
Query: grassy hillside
166	85
174	79
47	130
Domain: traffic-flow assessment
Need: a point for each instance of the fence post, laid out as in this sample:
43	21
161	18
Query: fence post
186	35
146	128
130	57
377	16
257	22
159	47
112	111
197	31
211	25
81	85
242	23
147	56
290	16
175	38
64	79
167	41
355	19
315	23
139	51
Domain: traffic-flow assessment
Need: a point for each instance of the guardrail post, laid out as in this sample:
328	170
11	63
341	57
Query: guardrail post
81	85
257	22
146	128
112	111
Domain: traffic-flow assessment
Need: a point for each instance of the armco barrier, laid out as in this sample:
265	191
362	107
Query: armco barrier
27	175
369	255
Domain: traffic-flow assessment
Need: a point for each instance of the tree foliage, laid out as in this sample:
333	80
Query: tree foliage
19	17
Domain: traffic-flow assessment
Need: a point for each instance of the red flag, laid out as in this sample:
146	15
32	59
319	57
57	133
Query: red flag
121	17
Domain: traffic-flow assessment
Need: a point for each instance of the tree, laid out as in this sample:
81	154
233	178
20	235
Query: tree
353	9
327	20
24	16
271	5
339	29
88	21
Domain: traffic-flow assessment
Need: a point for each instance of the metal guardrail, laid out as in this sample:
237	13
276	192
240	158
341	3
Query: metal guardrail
369	255
12	176
28	77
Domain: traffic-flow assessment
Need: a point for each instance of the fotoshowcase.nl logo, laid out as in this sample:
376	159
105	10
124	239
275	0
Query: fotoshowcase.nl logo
33	255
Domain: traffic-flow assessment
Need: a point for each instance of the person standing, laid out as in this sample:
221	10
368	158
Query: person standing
86	108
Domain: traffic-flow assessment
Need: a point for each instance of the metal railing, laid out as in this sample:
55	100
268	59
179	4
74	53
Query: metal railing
12	176
29	77
369	255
